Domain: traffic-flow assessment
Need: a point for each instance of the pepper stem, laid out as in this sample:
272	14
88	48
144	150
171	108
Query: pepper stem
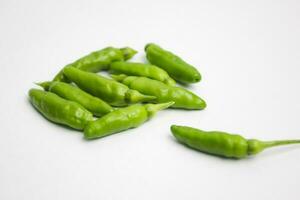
279	143
128	52
256	146
44	85
154	108
61	77
133	96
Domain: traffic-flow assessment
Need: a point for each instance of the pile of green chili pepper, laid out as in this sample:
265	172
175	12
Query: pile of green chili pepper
80	98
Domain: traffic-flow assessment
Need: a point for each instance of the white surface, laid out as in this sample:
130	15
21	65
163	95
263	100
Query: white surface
248	53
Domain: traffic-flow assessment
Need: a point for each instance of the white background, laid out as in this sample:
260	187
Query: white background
248	53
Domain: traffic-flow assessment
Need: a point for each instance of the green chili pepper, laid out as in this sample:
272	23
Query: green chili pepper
111	91
99	60
72	93
223	144
122	119
59	110
163	93
140	69
174	65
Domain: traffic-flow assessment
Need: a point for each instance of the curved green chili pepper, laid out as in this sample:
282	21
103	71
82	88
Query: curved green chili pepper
59	110
111	91
72	93
223	144
140	69
99	60
174	65
163	93
122	119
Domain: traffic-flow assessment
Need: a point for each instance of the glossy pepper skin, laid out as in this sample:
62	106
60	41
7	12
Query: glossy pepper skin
67	91
111	91
140	69
163	93
177	68
223	144
99	60
59	110
122	119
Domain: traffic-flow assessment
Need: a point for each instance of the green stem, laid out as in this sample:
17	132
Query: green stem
279	143
45	85
154	108
256	146
133	96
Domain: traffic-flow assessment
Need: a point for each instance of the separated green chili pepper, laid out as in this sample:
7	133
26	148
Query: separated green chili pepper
223	144
59	110
163	93
111	91
140	69
99	60
122	119
174	65
72	93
